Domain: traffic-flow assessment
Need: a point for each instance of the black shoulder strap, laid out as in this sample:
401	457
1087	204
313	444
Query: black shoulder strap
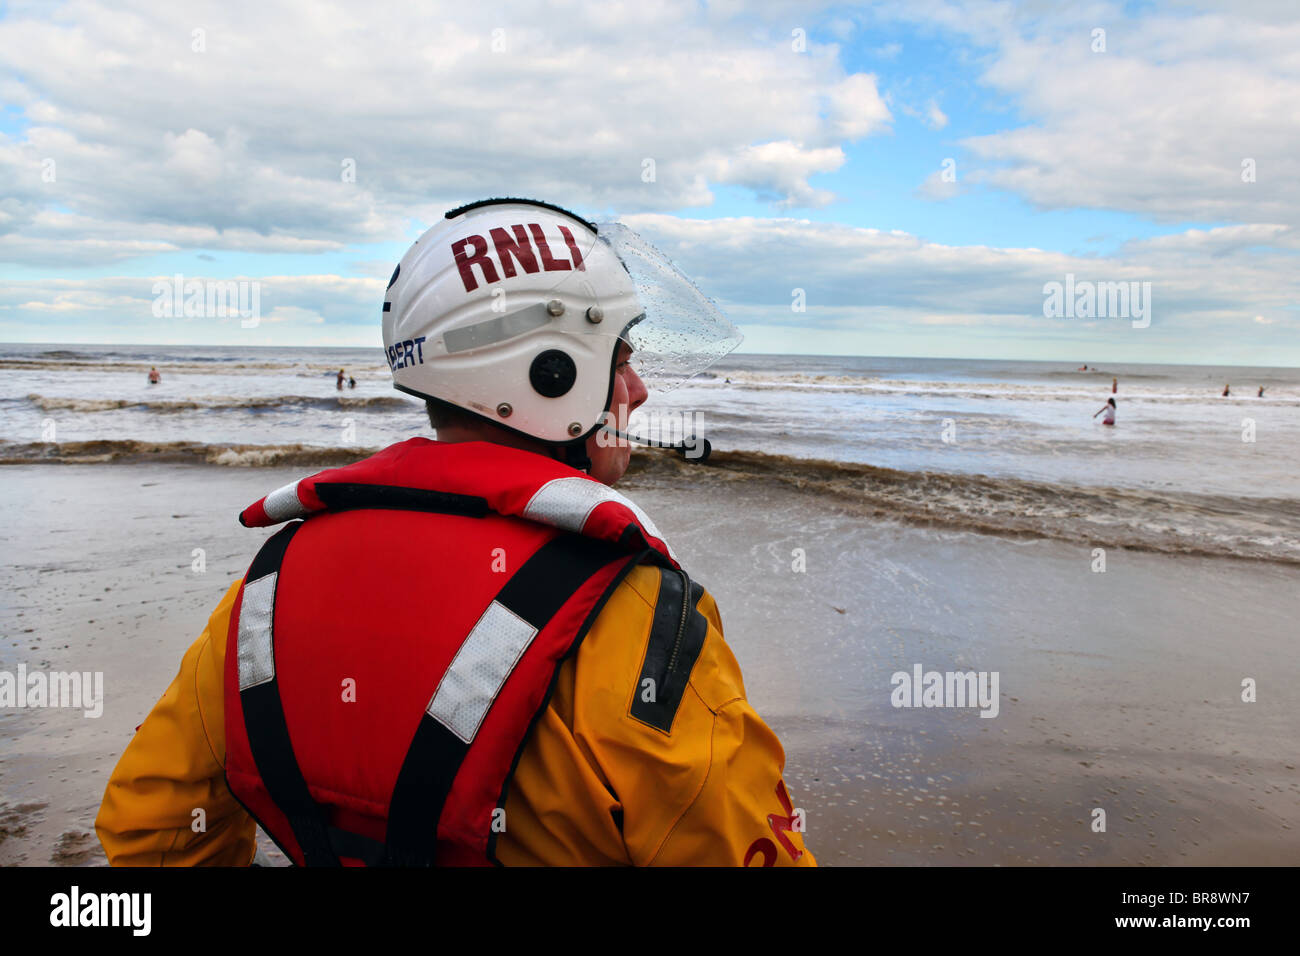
676	636
533	594
645	555
348	496
268	734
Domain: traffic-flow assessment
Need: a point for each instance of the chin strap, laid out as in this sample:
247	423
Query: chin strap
575	456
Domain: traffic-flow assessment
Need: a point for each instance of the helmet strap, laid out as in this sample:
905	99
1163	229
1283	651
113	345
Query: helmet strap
575	456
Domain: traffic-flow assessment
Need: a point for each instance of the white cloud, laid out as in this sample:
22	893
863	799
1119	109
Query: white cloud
862	287
1159	124
69	240
937	187
433	107
126	303
856	278
194	155
294	315
1220	240
780	171
857	108
935	117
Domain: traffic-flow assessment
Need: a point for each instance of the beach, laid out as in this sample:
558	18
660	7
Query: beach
1119	690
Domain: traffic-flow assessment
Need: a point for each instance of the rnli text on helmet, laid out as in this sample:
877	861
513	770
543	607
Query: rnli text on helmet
473	251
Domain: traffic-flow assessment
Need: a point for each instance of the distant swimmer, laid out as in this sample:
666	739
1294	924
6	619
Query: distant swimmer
352	382
1082	368
1109	409
1261	392
1227	390
1114	385
154	376
339	383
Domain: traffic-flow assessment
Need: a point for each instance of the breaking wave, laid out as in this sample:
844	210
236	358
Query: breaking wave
1213	526
1265	529
221	402
191	452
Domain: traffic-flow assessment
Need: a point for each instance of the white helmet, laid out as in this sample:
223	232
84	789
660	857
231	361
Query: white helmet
512	310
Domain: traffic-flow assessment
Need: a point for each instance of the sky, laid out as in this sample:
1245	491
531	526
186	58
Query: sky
885	178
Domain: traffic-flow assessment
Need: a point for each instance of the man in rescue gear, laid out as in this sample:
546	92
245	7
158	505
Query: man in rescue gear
473	650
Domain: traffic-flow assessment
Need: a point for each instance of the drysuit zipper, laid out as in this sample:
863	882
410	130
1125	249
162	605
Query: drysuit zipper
681	624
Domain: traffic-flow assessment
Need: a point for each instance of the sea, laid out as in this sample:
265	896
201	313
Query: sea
1010	446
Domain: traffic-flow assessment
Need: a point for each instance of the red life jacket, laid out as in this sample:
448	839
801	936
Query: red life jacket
388	655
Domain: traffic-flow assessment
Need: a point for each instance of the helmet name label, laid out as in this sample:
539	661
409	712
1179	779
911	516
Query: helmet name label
403	354
522	247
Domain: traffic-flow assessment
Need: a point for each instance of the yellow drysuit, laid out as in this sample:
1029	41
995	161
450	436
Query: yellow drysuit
593	786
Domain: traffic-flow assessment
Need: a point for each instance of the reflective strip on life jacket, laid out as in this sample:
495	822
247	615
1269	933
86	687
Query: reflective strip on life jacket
485	660
268	733
283	504
568	502
256	653
479	669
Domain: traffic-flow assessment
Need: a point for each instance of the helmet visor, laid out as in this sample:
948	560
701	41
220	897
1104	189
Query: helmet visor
683	332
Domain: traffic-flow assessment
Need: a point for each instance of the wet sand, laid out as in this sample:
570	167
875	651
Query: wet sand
1118	690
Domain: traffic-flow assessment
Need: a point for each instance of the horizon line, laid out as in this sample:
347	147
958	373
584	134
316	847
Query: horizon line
936	358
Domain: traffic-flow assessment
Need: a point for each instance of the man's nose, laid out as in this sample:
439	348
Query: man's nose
637	393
